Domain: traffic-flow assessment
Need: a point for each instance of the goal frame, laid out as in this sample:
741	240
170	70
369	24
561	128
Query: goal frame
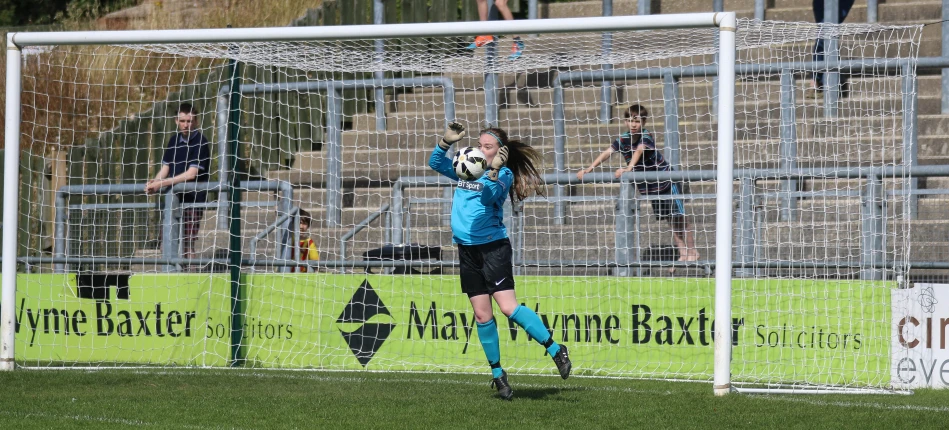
724	21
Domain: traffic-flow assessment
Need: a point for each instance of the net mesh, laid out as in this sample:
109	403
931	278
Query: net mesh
598	265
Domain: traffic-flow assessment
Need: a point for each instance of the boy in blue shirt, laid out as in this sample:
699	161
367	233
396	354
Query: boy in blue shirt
187	158
638	148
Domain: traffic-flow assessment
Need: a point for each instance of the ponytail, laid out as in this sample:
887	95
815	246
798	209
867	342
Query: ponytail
523	160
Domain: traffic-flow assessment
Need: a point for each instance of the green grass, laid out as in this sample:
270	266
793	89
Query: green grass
253	399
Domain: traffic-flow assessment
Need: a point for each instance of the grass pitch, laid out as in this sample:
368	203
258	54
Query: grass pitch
261	399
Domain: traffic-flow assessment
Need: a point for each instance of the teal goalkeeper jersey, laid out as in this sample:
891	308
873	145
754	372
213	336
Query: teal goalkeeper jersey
477	206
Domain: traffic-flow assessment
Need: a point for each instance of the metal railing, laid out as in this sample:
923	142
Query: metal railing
334	125
170	244
289	251
627	241
359	227
788	140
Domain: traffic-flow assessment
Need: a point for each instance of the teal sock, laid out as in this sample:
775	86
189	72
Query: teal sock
532	324
488	335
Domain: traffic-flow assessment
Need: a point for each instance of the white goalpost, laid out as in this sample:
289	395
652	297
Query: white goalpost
323	240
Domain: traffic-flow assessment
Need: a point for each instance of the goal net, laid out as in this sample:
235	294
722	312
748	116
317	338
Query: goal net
334	248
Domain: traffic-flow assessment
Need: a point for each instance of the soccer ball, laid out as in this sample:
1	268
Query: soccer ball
469	163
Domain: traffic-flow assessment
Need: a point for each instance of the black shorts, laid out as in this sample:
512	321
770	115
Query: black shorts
668	208
487	268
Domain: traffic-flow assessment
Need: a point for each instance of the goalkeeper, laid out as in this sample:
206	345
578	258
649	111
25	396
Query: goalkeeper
638	148
484	249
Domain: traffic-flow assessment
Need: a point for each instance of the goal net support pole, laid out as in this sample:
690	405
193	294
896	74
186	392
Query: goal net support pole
11	179
723	203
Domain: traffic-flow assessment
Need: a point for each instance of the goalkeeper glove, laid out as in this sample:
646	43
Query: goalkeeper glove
500	159
453	134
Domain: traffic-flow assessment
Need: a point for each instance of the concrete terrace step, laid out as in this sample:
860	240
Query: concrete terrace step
307	196
746	108
762	87
847	234
374	164
540	211
517	91
534	120
787	10
629	7
593	138
886	12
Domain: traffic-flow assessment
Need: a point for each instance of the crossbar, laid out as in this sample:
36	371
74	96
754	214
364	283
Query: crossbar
388	31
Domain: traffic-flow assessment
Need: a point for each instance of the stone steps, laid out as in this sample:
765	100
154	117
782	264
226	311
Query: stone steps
693	94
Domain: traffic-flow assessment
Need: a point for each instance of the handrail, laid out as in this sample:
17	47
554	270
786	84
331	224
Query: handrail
334	121
785	69
359	227
627	216
169	248
280	220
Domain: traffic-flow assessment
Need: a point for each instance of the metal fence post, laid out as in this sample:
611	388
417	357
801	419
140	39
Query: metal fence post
873	6
945	53
831	56
606	90
378	17
645	7
223	197
746	227
624	228
334	181
871	250
670	98
396	211
759	10
59	239
491	77
717	6
447	194
788	145
169	237
636	247
510	223
517	235
911	135
285	206
560	147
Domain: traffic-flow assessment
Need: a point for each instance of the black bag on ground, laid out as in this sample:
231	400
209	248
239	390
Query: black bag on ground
660	253
404	253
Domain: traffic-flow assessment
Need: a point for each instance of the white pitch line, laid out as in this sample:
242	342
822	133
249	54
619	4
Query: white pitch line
89	418
335	378
313	376
871	405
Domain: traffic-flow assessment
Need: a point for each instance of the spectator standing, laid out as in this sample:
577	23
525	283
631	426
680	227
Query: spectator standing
638	148
844	7
517	47
187	158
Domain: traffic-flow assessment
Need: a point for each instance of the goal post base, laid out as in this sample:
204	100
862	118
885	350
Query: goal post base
723	390
817	390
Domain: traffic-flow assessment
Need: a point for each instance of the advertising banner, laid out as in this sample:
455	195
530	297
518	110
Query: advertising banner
156	319
920	321
820	332
793	329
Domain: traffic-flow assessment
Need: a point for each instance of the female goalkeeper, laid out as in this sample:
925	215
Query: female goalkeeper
483	246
